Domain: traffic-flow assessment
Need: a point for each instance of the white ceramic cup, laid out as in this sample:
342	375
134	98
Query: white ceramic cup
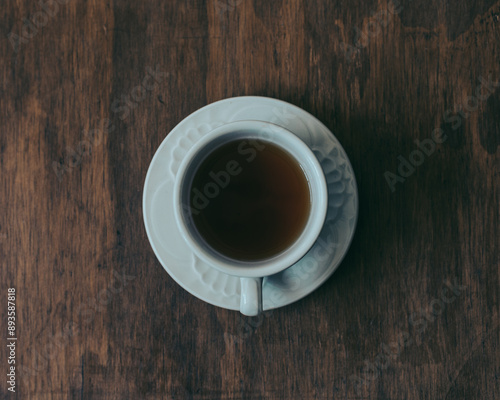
251	272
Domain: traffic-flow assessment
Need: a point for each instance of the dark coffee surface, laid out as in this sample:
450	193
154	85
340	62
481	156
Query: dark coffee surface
250	200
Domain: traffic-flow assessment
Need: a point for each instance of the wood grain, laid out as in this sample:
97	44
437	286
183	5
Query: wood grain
99	318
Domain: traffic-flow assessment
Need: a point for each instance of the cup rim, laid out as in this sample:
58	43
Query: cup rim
319	202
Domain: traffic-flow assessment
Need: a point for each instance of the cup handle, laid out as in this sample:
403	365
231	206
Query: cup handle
251	296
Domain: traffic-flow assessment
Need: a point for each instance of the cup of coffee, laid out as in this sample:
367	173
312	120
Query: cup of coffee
250	200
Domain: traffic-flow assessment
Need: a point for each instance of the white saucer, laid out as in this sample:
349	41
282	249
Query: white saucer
206	282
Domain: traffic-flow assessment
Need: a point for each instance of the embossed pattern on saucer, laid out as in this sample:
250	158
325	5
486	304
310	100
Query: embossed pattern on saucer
207	283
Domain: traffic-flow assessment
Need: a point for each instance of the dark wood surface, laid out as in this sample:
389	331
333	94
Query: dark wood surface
97	317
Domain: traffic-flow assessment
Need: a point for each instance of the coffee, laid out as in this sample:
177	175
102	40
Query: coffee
249	199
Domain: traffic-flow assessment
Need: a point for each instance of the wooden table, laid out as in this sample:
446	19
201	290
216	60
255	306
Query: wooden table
89	89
